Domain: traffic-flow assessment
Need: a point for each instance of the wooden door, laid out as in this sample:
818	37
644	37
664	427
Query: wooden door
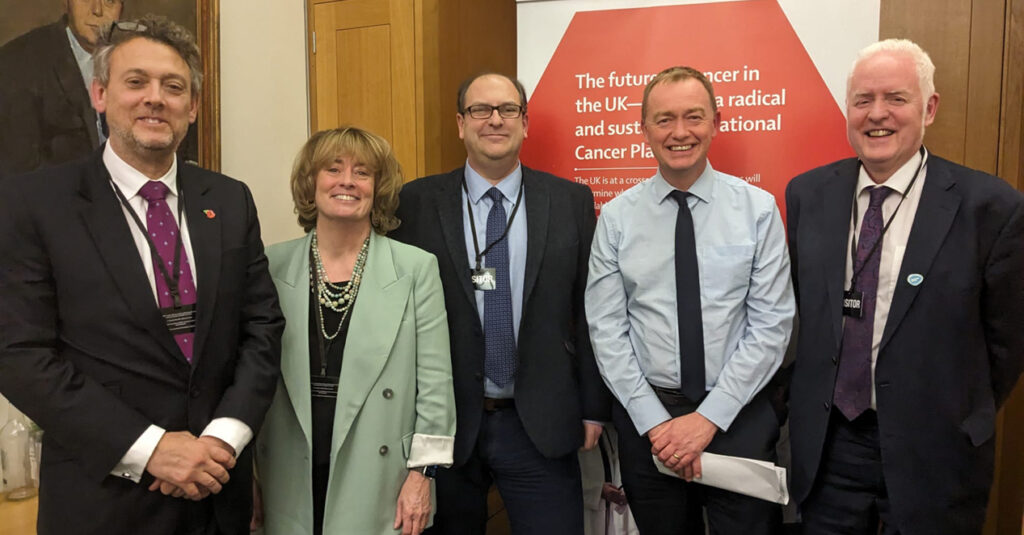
363	71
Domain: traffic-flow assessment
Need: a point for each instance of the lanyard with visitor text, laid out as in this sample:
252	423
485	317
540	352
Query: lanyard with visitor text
172	279
853	242
472	223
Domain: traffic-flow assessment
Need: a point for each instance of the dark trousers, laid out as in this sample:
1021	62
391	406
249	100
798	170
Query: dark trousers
849	494
664	505
542	496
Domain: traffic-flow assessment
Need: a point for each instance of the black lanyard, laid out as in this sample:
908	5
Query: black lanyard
171	279
472	225
874	247
321	340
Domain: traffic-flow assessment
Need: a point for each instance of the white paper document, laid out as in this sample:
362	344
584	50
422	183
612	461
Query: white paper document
760	479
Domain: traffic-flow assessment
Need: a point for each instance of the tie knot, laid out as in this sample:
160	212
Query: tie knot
680	197
154	190
878	194
495	194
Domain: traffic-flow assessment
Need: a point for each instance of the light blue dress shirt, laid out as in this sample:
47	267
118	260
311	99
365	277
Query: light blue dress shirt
747	302
85	66
509	186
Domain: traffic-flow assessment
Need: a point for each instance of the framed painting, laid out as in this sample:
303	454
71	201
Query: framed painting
45	116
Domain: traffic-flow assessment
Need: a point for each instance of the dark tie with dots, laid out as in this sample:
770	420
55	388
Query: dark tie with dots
163	232
691	324
499	340
853	381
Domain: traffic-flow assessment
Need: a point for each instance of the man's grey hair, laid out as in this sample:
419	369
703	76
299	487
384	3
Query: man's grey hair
922	62
155	28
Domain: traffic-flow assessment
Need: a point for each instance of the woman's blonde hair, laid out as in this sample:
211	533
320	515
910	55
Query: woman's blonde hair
367	148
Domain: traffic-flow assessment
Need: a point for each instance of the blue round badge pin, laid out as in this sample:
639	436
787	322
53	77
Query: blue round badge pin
915	279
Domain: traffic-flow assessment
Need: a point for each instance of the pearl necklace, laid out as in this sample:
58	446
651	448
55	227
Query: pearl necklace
337	297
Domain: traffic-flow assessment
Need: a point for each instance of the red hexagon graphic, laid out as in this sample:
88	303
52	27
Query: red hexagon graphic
778	117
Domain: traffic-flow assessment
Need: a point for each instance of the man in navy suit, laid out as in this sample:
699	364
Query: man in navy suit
140	326
512	244
45	115
909	272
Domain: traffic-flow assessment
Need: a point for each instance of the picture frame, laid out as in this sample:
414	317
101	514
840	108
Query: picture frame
201	17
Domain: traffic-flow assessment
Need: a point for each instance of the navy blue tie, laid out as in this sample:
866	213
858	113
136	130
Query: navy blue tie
691	324
499	340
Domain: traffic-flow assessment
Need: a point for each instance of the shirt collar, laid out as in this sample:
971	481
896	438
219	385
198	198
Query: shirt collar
129	180
478	185
703	188
899	180
82	57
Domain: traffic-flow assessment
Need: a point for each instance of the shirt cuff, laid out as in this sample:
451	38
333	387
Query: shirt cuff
133	464
647	412
230	430
720	408
430	450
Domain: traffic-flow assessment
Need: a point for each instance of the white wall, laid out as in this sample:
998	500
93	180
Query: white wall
264	103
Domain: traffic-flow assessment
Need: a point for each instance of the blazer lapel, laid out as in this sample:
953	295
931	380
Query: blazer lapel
939	205
204	233
293	293
379	309
105	219
449	203
837	207
70	78
537	205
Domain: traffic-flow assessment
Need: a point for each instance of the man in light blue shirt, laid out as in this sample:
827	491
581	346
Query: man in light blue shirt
686	337
45	114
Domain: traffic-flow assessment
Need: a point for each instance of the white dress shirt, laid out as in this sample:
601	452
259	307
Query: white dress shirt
894	241
129	180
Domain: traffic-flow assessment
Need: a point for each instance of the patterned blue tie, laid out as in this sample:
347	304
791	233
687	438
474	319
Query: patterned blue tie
853	383
499	340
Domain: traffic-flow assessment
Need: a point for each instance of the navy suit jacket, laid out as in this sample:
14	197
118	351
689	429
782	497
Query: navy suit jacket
557	382
952	347
85	352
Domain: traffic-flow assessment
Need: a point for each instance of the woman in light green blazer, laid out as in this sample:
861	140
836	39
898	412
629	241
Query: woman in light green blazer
365	409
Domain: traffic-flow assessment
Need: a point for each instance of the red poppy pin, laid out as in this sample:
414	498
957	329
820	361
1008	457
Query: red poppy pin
209	214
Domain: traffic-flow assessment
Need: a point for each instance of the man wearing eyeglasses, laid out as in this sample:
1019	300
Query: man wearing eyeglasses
512	244
690	307
141	329
45	114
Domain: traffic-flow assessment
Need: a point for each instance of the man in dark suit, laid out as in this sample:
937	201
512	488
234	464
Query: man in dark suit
909	272
512	244
124	338
45	114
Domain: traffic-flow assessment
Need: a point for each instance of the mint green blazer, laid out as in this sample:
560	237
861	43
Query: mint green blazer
395	408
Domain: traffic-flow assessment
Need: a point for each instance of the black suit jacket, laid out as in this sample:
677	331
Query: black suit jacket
952	347
557	382
46	117
85	353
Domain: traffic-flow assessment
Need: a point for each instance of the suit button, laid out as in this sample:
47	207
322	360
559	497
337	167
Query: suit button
383	450
828	406
194	393
835	359
478	376
388	394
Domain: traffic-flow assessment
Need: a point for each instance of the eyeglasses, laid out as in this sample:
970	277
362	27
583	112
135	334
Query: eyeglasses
484	111
124	26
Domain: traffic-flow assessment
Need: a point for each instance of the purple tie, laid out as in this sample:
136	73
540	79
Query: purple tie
853	383
163	232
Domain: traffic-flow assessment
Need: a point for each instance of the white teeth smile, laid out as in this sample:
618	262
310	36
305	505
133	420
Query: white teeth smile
879	133
344	197
679	148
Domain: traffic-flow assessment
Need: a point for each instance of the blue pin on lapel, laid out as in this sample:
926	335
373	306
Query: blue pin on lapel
915	279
